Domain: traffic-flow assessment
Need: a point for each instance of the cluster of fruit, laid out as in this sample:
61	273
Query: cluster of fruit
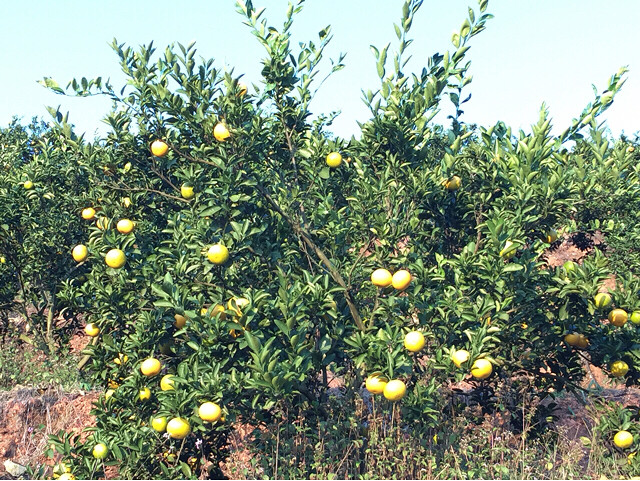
414	341
176	428
115	258
617	317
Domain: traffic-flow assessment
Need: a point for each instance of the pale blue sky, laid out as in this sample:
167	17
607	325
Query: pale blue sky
532	51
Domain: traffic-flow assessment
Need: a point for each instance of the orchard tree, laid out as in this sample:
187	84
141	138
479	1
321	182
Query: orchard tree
241	255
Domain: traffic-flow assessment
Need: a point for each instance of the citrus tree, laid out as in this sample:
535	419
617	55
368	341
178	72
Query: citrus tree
237	255
39	185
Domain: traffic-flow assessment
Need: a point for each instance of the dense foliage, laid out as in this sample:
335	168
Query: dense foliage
470	213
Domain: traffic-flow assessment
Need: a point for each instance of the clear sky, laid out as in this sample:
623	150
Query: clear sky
549	51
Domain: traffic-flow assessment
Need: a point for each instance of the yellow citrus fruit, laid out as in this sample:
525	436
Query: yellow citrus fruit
178	428
109	393
80	253
394	390
144	394
414	341
572	339
166	383
235	304
218	254
91	329
481	369
210	412
334	159
583	342
150	367
381	278
454	183
28	185
124	226
509	250
89	213
220	132
623	439
159	424
66	476
3	260
460	357
115	258
126	202
635	317
631	149
551	236
100	451
401	280
619	368
618	317
187	191
159	148
180	321
602	300
375	384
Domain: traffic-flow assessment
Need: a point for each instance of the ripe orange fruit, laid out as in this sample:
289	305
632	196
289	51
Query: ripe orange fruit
375	384
453	184
159	424
401	280
88	213
150	367
220	132
381	278
414	341
187	191
210	412
583	342
166	383
91	329
481	369
178	428
619	368
125	226
334	159
115	258
80	253
623	439
218	254
602	300
618	317
144	394
180	321
159	148
100	451
394	390
572	339
460	357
